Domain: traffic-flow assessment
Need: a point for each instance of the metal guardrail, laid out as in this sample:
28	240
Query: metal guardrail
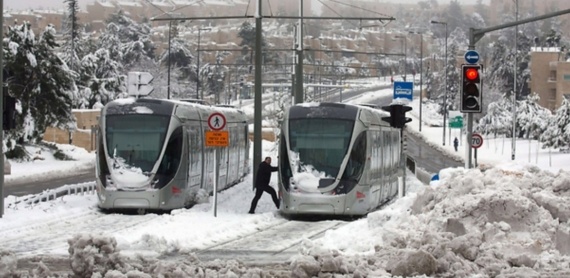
52	194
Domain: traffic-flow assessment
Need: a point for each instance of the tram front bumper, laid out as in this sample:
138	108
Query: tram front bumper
111	199
300	203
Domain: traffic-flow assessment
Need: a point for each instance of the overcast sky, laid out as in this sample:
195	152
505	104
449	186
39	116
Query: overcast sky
39	4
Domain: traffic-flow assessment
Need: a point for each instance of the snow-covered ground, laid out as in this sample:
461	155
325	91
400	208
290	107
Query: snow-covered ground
503	219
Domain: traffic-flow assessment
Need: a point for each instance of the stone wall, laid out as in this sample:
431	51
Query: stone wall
83	136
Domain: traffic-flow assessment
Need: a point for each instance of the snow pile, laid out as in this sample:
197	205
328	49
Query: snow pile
494	222
98	256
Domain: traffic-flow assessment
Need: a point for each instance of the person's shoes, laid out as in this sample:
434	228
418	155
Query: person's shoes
251	212
278	205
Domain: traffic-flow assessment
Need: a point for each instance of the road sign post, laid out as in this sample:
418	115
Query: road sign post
476	142
216	137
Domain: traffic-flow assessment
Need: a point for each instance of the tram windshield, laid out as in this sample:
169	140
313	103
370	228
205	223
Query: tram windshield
136	139
322	143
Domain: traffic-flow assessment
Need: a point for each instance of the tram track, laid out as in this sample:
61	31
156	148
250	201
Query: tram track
273	245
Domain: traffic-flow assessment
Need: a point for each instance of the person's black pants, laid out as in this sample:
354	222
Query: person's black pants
258	192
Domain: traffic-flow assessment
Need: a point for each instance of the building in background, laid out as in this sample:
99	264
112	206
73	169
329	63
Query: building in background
550	76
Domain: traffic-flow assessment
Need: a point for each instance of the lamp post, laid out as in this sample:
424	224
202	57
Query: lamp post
421	73
514	142
199	96
404	51
445	72
168	79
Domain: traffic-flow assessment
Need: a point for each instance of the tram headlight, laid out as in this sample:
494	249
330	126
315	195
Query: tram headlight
292	185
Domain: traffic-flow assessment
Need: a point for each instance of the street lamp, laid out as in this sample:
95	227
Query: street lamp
421	72
514	142
168	79
445	72
199	96
405	52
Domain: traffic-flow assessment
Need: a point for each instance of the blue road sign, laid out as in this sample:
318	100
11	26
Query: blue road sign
404	90
472	57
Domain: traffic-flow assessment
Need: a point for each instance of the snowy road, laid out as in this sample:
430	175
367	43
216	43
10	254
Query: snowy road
265	239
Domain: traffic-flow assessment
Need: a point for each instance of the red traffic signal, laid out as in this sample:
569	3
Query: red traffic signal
471	89
471	74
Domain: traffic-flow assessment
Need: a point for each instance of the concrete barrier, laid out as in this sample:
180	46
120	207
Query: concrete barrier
423	175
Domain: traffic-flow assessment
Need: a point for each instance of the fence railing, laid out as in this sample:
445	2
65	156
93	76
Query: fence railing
52	194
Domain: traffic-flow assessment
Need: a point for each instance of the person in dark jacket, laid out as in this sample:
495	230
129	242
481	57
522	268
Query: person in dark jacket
455	143
262	183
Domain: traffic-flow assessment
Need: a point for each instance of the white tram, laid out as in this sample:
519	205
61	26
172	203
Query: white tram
337	159
151	153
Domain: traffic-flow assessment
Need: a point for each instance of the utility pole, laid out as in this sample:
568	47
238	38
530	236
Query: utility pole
168	75
299	94
198	65
514	138
2	114
257	99
444	72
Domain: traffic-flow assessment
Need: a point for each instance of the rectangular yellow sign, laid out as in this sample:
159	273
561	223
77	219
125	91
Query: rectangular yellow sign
217	138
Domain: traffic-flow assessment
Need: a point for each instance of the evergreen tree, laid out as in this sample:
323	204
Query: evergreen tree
181	70
72	35
498	120
454	16
531	117
247	35
557	134
40	81
102	78
481	9
136	47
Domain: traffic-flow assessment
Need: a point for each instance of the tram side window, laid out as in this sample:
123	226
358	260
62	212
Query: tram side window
356	160
171	159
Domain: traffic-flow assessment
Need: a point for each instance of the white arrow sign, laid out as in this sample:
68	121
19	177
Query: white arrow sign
139	83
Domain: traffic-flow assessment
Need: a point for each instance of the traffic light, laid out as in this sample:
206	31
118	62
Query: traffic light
8	110
471	89
397	117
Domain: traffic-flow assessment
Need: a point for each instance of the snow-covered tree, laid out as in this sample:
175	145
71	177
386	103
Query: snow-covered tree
498	120
102	78
247	35
128	43
557	134
532	119
39	80
72	35
182	71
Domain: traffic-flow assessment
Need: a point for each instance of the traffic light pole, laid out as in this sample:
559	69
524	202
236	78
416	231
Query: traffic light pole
474	36
1	115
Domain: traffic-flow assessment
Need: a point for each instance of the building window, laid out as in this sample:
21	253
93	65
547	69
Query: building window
567	77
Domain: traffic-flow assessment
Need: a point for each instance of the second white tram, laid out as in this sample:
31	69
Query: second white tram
337	159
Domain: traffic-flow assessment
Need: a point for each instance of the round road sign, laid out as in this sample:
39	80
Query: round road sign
217	121
476	140
472	57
